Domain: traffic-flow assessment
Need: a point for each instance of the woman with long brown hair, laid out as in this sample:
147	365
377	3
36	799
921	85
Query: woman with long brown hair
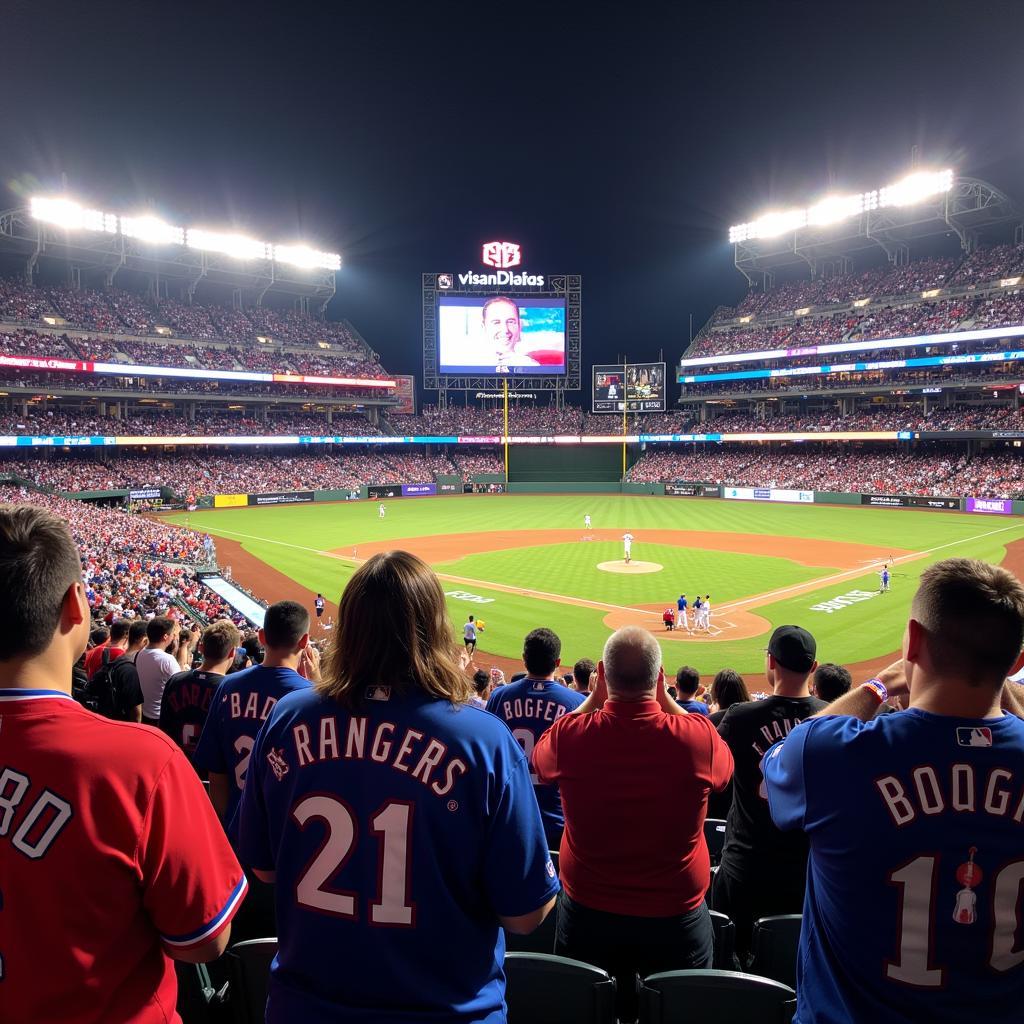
398	822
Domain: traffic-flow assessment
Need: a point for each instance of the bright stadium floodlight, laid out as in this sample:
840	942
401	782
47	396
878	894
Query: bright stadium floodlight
915	188
303	256
833	209
237	246
72	216
152	229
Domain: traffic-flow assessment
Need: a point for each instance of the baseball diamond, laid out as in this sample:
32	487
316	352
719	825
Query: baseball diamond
763	565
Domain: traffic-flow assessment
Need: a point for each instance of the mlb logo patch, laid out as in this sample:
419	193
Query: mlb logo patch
537	687
550	869
974	736
378	693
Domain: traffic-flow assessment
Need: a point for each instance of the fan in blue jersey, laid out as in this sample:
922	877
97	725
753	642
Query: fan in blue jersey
530	706
243	702
397	821
913	903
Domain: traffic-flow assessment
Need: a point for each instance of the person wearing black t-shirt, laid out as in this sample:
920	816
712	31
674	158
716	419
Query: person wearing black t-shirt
187	696
763	870
126	693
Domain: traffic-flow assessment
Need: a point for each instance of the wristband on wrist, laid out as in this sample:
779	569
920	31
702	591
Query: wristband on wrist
877	687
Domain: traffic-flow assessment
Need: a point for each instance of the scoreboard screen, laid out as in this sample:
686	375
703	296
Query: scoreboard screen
635	387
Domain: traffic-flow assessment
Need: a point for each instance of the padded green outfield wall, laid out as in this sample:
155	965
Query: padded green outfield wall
836	498
528	464
567	487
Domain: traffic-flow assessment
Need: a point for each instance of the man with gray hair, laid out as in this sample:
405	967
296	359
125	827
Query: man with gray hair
634	770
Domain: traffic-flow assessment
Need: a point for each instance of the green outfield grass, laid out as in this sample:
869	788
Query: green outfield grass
297	540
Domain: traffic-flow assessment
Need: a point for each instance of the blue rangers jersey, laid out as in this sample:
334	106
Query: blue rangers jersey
242	704
399	834
529	707
913	910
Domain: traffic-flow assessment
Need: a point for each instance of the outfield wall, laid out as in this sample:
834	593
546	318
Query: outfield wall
682	489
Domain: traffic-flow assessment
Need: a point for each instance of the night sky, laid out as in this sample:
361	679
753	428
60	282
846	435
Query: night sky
615	140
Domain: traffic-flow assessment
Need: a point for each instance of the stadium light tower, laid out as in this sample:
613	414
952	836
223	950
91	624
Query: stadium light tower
73	216
915	188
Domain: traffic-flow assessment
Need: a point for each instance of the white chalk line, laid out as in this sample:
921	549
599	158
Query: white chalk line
810	585
763	598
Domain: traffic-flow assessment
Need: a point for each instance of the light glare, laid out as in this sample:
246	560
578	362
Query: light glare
303	256
914	188
152	229
237	246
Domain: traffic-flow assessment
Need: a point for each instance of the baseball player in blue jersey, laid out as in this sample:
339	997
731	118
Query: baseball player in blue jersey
244	700
682	621
913	904
530	706
398	822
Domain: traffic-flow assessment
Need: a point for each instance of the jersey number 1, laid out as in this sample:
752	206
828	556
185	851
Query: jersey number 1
391	825
917	882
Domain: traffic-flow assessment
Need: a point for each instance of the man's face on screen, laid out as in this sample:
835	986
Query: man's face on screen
501	325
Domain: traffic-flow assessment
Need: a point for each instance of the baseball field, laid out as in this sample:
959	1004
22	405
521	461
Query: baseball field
518	562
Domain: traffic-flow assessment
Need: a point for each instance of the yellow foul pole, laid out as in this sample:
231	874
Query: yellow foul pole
625	406
505	430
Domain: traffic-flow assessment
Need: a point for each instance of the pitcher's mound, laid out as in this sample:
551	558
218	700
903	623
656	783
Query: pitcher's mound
634	567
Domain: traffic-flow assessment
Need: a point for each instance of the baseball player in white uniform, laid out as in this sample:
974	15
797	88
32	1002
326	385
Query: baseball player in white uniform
586	522
380	511
705	614
627	544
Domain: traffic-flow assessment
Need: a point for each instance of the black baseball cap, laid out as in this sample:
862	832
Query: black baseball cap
793	648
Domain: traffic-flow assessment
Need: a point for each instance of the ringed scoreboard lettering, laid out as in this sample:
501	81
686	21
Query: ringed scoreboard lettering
633	387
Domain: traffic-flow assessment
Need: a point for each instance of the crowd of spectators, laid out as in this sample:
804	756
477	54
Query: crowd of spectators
254	358
881	417
883	281
121	312
192	474
132	567
930	470
897	321
213	422
984	265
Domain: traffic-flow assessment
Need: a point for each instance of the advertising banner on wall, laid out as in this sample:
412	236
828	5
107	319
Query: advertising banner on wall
384	491
908	501
993	506
694	490
281	498
767	494
418	490
230	500
145	494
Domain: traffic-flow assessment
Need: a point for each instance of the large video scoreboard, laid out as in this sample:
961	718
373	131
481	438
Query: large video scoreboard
633	387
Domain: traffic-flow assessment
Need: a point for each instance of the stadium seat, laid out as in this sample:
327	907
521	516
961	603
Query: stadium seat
776	945
714	997
540	941
714	836
250	973
546	989
725	942
203	993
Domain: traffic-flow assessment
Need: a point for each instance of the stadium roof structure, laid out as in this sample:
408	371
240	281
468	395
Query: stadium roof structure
32	240
969	209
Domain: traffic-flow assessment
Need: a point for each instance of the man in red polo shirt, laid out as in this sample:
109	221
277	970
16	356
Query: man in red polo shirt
111	857
116	643
634	770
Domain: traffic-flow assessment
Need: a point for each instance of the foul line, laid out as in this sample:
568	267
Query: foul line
761	599
861	571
